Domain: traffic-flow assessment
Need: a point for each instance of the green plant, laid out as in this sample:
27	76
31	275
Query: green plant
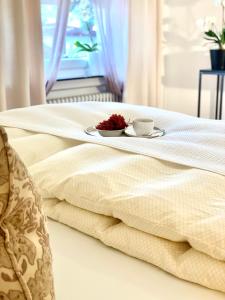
216	38
212	34
85	47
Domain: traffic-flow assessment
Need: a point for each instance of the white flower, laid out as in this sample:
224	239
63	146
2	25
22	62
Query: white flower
200	24
206	24
219	2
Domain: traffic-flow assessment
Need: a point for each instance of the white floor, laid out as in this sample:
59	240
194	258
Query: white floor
86	269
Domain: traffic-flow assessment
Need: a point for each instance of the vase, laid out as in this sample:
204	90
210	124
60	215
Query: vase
217	59
94	64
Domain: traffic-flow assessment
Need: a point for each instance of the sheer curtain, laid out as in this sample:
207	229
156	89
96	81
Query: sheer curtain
143	82
113	29
21	59
51	70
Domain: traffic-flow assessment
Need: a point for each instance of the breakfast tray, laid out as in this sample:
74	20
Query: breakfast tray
128	132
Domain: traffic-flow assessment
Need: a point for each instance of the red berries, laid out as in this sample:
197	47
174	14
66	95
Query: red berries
115	122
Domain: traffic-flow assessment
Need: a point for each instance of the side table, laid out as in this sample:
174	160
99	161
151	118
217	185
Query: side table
219	91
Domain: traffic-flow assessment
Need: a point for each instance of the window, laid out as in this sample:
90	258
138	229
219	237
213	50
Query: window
81	29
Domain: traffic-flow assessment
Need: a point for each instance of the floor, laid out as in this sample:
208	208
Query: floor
86	269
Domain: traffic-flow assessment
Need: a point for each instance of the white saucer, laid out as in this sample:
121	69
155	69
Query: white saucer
129	131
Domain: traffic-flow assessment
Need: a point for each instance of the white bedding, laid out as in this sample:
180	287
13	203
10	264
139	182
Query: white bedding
168	214
80	261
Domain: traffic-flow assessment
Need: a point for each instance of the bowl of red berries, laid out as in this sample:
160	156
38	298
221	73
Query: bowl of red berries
112	127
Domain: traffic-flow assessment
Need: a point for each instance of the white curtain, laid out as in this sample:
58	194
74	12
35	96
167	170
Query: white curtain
21	58
63	7
112	19
143	82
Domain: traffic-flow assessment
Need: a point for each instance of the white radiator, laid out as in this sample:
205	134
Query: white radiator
103	97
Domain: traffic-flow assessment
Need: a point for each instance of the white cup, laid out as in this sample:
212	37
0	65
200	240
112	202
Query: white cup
143	126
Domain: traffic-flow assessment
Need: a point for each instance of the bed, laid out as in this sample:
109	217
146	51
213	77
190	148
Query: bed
80	261
161	200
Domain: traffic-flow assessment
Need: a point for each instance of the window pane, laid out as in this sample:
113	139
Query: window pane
48	18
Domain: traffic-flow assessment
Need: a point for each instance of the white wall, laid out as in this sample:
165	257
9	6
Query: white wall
185	53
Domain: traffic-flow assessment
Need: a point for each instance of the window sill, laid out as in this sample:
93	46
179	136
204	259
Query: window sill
78	86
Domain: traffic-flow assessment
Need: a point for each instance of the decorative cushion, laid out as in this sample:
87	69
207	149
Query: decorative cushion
25	256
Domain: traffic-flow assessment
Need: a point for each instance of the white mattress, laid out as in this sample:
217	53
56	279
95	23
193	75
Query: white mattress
81	261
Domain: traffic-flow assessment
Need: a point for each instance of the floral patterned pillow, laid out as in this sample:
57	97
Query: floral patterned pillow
25	256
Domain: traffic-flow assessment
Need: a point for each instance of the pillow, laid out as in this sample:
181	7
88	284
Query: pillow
25	256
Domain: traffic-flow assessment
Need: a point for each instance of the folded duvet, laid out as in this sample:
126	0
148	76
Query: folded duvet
166	213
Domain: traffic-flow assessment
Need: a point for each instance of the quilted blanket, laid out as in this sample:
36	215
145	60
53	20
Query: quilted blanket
161	200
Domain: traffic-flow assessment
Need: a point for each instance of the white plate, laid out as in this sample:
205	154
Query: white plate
129	131
92	131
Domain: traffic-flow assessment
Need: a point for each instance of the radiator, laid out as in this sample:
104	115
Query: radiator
102	97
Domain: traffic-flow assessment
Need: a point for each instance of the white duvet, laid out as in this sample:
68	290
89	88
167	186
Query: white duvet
159	210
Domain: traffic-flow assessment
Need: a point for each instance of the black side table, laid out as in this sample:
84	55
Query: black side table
219	91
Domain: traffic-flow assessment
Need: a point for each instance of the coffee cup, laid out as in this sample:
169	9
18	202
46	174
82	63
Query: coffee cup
143	126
